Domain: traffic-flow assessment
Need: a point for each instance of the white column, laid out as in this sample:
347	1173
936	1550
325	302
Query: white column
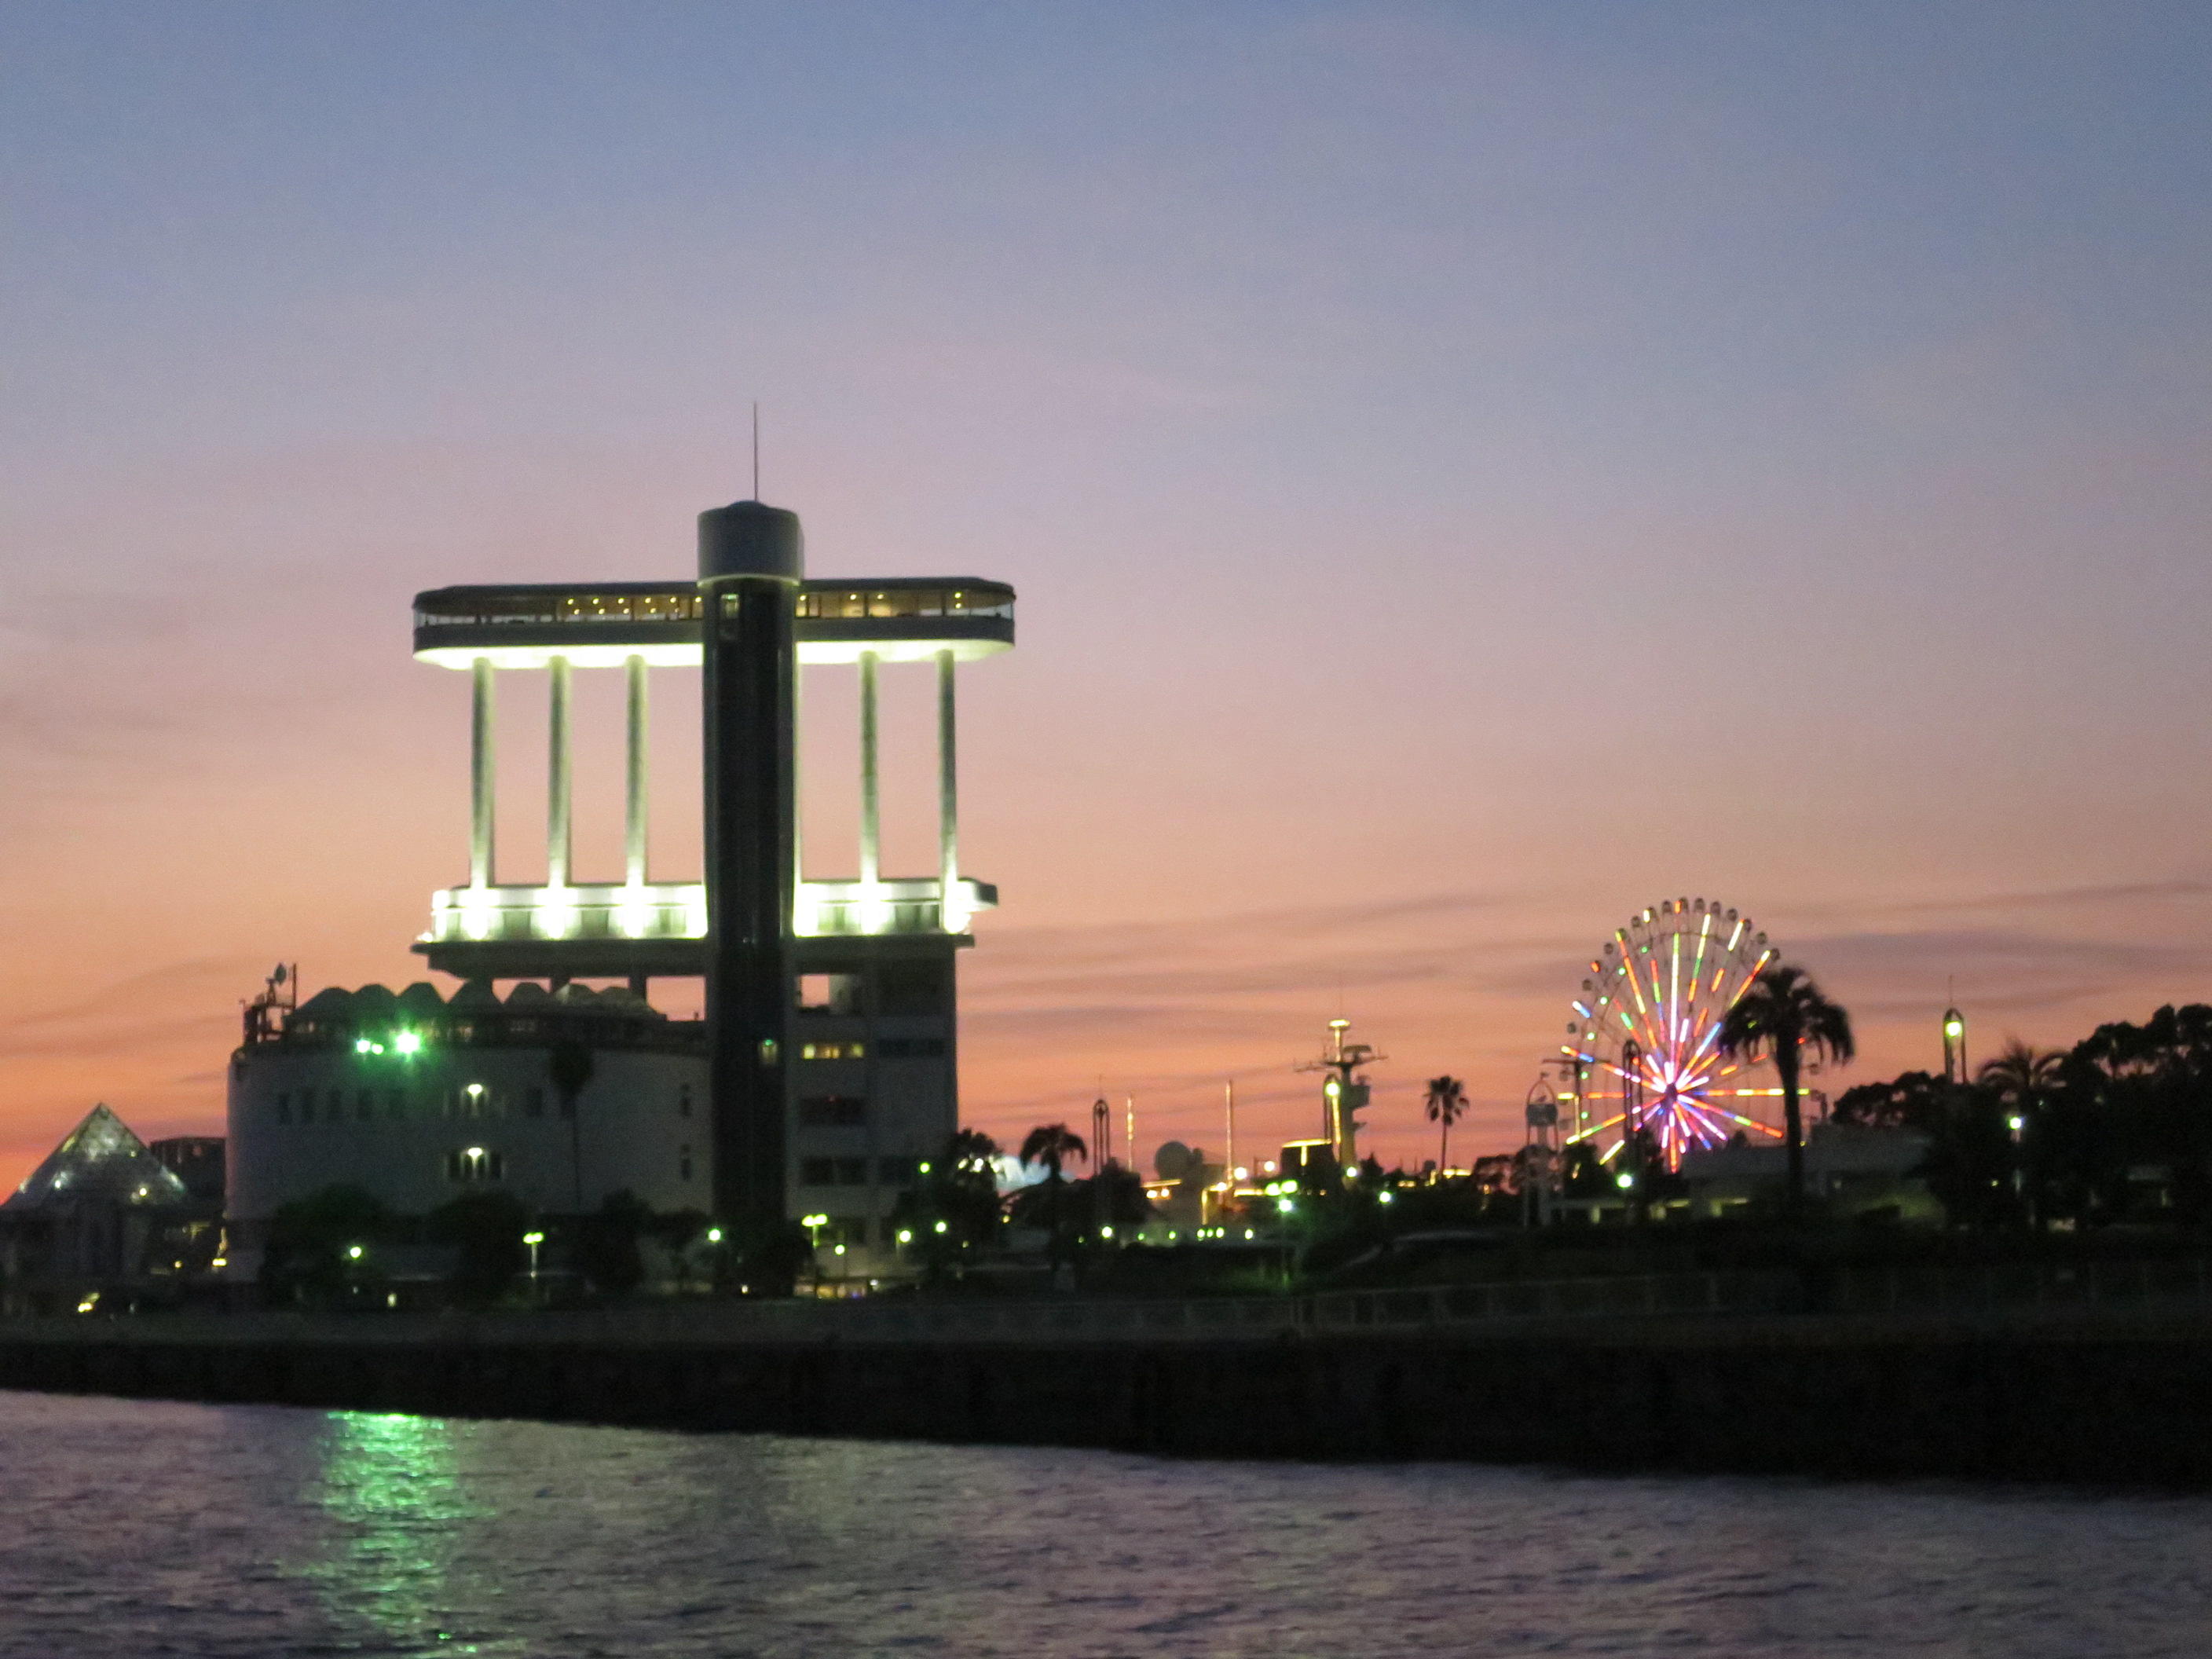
948	806
803	919
634	805
872	870
558	793
484	775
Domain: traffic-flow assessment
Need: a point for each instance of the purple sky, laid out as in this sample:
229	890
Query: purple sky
1471	471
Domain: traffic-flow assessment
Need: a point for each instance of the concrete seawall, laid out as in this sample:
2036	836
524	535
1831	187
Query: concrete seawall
2098	1399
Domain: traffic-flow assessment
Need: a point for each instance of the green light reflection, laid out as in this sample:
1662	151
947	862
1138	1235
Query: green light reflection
389	1484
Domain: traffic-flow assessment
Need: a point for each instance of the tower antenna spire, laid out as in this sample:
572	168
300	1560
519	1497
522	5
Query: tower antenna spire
755	449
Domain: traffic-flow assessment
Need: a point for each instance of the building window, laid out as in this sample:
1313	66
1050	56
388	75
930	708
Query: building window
911	1048
534	1103
851	1050
833	1111
847	1230
913	987
284	1108
852	1172
895	1171
818	1171
828	993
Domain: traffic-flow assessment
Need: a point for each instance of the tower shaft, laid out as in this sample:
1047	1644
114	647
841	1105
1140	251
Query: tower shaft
749	569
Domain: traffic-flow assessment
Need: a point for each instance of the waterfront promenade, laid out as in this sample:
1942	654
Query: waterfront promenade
2082	1374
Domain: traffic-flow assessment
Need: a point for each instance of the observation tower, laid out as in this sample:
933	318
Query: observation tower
830	1001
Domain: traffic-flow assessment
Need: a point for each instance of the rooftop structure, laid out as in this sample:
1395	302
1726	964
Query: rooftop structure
100	1161
638	926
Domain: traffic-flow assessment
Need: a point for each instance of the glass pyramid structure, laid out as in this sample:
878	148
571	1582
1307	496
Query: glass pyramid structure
101	1161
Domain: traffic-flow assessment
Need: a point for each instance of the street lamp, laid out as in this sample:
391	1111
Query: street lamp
533	1240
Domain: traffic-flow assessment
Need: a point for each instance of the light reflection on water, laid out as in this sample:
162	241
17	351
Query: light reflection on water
387	1484
143	1529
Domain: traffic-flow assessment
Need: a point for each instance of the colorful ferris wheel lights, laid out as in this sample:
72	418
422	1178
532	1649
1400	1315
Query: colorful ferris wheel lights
1644	1047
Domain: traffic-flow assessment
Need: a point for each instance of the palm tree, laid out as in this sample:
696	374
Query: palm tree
2021	1075
1781	1015
1051	1145
569	1066
1447	1099
2025	1078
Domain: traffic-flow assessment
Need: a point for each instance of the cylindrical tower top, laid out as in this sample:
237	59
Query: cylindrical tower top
746	539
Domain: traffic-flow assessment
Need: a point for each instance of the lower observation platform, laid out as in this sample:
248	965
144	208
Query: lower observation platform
659	929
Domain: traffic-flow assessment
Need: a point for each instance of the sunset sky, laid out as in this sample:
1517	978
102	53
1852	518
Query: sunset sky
1470	471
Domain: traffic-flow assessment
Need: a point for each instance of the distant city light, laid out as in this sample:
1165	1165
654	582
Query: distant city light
407	1042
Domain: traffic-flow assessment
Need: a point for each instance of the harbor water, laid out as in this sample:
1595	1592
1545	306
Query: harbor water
138	1529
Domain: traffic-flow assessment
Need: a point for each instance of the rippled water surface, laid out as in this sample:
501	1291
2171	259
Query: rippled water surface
132	1528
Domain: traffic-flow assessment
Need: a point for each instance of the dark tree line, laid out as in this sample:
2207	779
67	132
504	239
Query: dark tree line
2119	1129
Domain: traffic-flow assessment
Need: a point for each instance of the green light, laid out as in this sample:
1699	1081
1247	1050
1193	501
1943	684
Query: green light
533	1238
1383	1198
353	1252
407	1042
1626	1179
1954	1027
713	1234
363	1045
940	1226
905	1237
924	1168
1330	1088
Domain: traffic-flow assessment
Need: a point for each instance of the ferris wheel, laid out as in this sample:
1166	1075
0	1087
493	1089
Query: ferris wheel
1643	1048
